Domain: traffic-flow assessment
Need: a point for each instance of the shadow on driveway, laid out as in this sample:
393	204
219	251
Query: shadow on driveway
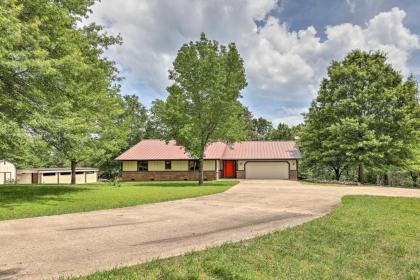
11	273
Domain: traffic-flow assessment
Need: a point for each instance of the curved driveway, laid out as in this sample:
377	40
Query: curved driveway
82	243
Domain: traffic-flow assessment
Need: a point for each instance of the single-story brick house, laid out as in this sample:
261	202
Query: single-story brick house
158	160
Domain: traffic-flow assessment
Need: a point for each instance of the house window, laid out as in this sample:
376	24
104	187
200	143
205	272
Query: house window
65	173
168	165
48	174
142	165
193	165
80	172
90	172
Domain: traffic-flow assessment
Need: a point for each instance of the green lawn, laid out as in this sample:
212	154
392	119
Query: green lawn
22	201
367	237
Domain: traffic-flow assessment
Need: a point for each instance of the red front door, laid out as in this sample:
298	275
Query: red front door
229	168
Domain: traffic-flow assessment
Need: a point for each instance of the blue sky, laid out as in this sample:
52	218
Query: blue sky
286	45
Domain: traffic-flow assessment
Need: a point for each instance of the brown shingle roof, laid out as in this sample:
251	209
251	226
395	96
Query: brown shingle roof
159	150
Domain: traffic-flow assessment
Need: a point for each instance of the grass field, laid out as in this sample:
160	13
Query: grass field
366	237
22	201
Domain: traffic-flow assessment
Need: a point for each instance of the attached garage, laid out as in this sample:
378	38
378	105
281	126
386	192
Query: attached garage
267	170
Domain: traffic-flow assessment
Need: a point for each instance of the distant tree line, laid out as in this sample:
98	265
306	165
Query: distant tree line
262	129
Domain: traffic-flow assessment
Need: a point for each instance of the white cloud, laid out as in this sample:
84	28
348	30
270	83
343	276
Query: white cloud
384	32
283	67
153	31
352	5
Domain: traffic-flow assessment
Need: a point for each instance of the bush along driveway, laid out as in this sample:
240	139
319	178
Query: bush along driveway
83	243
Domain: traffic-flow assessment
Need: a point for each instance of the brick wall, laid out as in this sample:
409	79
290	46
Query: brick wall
183	175
240	174
166	175
293	175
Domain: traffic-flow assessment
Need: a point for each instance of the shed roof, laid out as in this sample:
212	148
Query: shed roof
55	169
160	150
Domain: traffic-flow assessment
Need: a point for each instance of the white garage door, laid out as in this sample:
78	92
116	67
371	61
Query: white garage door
5	178
267	170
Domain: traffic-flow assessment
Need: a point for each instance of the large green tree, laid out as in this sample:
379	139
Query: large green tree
127	129
43	50
203	103
134	118
83	131
15	142
55	83
260	128
365	115
155	129
282	132
23	149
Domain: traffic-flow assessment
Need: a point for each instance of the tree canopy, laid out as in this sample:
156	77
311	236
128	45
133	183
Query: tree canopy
260	128
203	104
282	132
55	84
364	115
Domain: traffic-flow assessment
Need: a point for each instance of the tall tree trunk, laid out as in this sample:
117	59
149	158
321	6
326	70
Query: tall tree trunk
201	163
378	180
361	173
414	177
73	171
200	171
337	173
386	179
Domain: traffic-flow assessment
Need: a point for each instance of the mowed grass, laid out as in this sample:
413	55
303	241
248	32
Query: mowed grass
23	201
366	237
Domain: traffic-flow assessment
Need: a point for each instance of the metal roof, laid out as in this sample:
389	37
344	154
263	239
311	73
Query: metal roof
262	150
55	169
160	150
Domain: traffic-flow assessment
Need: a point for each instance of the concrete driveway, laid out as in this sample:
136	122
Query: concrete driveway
75	244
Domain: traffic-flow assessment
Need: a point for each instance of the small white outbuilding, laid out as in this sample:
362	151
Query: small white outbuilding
7	172
56	175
